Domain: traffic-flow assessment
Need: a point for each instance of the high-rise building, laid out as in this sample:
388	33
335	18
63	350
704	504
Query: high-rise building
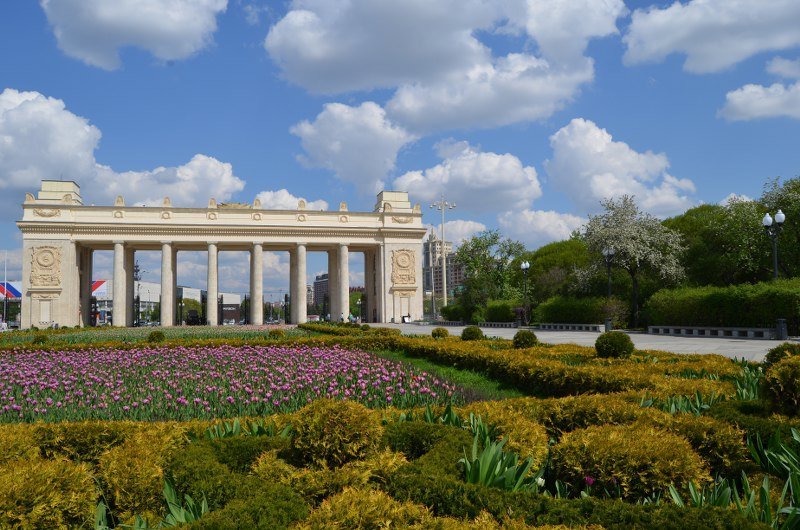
432	251
320	289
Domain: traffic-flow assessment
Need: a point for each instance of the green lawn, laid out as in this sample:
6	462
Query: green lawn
477	386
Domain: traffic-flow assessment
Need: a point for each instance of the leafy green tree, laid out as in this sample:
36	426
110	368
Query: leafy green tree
552	270
639	241
783	196
487	259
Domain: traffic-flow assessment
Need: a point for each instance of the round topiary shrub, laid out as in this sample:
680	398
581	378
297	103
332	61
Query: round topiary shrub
276	334
365	327
440	333
156	336
782	351
613	344
638	459
39	338
525	339
331	433
472	333
782	385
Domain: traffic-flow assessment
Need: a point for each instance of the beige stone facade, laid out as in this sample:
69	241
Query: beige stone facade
60	233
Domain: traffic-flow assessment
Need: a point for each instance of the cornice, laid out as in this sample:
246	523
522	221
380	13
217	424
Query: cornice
211	232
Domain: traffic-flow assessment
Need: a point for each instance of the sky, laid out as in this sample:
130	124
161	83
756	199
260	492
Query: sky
525	113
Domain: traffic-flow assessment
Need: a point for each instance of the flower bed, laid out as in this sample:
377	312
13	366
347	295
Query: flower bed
180	383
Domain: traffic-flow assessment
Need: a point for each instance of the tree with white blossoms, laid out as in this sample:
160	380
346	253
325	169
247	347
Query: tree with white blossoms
638	241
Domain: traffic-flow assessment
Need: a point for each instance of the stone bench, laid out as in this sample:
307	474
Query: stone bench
498	325
597	328
447	323
715	332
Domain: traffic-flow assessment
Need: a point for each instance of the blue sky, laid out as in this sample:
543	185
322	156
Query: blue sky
526	113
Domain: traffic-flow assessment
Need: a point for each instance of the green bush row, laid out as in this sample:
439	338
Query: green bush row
592	310
758	305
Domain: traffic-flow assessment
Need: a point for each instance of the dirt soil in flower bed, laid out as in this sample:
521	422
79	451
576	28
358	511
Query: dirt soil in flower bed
182	383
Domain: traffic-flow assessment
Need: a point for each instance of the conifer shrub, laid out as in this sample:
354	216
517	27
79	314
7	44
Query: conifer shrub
472	333
366	508
331	433
41	493
39	338
639	460
239	453
782	385
276	334
440	333
267	507
782	351
83	441
525	338
613	344
132	473
365	327
17	442
156	336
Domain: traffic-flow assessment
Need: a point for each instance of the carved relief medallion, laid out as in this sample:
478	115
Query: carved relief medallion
46	267
402	220
403	263
42	212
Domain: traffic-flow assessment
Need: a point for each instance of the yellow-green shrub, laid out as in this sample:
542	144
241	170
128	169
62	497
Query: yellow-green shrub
46	494
357	508
782	383
719	443
331	433
569	413
84	441
133	472
640	460
522	435
17	442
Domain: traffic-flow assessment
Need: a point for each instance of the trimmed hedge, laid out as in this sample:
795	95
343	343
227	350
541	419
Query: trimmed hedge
758	305
613	344
590	310
782	385
500	311
472	333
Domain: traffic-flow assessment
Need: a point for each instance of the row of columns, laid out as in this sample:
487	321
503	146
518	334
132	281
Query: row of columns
123	284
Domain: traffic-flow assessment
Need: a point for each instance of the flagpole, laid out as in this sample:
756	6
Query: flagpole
5	287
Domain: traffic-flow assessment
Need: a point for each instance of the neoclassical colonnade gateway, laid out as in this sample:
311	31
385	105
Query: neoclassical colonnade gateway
60	234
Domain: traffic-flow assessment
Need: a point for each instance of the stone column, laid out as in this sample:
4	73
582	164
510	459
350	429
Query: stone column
257	284
369	286
292	282
167	285
86	286
300	308
130	294
120	291
333	285
344	281
212	287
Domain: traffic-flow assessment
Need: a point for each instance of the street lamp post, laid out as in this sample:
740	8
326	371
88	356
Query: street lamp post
442	205
773	229
608	256
525	266
358	303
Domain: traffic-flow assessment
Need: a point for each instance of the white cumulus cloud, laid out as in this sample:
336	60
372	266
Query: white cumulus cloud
752	102
588	165
785	68
360	144
445	76
712	34
473	179
539	227
41	139
95	30
457	230
283	200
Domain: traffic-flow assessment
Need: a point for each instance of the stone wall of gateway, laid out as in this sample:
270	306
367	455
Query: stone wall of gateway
60	234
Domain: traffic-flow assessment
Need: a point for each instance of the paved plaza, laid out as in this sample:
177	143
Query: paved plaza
752	350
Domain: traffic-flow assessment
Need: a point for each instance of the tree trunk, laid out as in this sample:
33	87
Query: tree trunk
635	298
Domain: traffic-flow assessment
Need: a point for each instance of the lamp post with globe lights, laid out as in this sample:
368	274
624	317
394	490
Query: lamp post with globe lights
442	205
773	228
608	256
525	266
